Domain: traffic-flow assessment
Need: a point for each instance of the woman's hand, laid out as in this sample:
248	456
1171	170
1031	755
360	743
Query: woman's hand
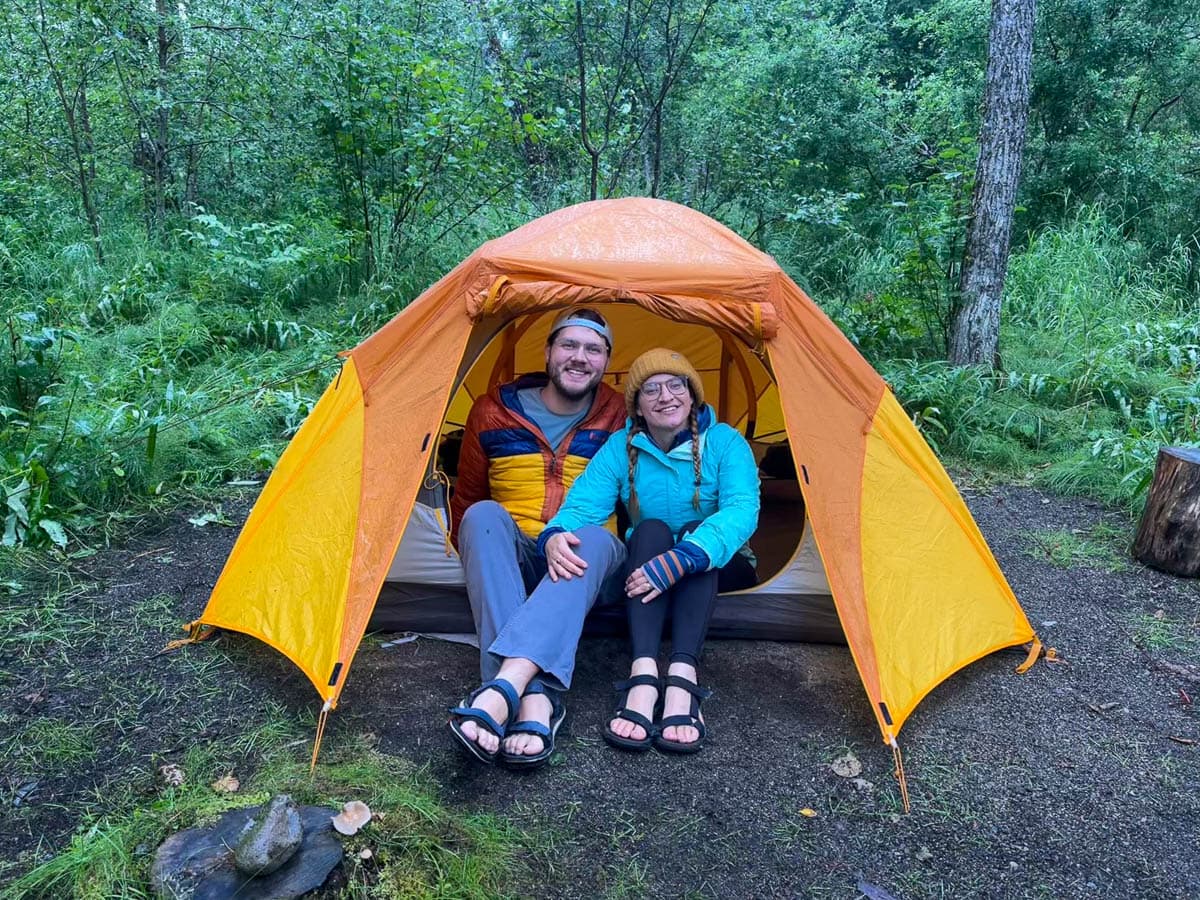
561	559
638	584
661	572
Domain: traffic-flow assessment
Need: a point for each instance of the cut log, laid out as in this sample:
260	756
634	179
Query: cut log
1168	537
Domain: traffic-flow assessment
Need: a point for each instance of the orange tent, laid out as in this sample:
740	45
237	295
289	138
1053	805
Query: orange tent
917	591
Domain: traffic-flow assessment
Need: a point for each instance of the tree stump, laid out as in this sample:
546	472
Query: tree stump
1168	537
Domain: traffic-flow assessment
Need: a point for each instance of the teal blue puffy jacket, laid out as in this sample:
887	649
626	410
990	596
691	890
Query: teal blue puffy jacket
666	487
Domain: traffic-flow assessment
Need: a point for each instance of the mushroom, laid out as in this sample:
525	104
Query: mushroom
354	815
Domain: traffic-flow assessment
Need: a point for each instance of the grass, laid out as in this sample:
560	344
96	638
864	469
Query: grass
1104	546
627	880
1158	632
50	743
418	847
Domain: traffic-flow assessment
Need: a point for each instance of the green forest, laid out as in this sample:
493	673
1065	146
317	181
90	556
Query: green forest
201	202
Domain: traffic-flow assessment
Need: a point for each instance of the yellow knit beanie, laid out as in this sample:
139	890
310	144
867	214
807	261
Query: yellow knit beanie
660	361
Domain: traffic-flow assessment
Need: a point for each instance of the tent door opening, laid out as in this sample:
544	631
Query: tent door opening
424	589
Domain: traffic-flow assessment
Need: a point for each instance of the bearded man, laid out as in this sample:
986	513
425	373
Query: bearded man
525	443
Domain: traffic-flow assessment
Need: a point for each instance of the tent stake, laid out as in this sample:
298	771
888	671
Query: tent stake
321	720
900	775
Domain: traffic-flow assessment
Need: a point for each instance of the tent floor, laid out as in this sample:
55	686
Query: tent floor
443	609
430	609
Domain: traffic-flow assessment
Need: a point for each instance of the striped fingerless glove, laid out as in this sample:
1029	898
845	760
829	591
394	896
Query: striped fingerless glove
667	568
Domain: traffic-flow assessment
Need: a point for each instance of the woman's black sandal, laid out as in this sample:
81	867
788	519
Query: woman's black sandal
699	694
621	712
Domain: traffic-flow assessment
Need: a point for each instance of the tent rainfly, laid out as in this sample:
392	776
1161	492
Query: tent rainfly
880	547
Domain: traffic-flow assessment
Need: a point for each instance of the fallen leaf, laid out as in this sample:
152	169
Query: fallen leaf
226	784
36	696
354	815
1160	614
809	813
863	785
23	792
872	892
171	774
924	854
847	766
214	518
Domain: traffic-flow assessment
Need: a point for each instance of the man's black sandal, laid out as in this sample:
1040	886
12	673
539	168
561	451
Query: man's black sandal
529	761
464	711
699	694
622	688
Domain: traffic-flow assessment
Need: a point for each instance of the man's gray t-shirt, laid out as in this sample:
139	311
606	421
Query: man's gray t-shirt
553	426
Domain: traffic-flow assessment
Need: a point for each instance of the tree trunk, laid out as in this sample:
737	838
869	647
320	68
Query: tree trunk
975	337
592	151
161	171
87	172
85	167
1169	535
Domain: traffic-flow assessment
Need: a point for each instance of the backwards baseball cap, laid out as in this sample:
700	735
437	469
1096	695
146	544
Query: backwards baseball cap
584	317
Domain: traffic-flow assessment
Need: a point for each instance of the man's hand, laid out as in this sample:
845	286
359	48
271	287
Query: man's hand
561	559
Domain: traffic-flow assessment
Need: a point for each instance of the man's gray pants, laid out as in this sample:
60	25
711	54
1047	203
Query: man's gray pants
518	610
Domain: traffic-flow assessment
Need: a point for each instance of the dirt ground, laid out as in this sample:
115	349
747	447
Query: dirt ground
1078	779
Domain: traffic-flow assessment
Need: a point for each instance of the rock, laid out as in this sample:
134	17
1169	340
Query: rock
197	864
271	840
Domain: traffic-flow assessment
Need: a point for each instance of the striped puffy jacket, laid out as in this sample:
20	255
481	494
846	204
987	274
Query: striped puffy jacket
505	456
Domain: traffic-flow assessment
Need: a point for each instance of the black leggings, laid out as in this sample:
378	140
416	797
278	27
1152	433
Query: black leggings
690	600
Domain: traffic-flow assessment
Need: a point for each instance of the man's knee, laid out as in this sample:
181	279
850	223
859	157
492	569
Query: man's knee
598	545
485	519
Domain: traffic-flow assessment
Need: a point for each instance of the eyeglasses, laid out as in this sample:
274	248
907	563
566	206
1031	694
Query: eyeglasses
592	351
676	386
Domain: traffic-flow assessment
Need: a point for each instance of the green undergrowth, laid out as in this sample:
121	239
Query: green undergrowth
413	847
175	369
1099	368
168	372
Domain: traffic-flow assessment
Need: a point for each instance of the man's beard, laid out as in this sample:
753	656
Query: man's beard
572	393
